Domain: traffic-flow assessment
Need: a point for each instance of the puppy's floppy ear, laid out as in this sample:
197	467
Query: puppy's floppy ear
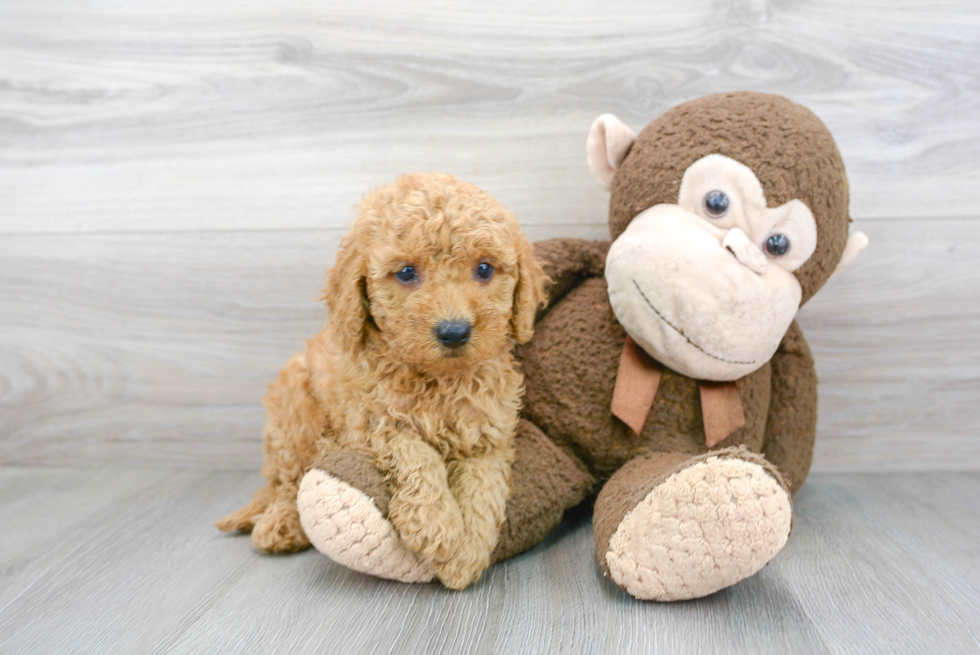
346	295
528	294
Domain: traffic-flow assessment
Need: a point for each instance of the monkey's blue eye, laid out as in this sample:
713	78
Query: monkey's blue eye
777	245
407	274
484	271
716	204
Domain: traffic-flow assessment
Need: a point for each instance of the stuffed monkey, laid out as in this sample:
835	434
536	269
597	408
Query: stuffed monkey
667	378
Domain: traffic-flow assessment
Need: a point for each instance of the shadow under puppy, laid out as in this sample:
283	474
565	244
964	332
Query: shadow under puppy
414	375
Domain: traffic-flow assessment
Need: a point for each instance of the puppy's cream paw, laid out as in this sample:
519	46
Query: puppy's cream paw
459	574
466	566
704	528
278	530
343	523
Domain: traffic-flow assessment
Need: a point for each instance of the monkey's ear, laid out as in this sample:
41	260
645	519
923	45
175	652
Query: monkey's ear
529	293
607	146
856	243
346	295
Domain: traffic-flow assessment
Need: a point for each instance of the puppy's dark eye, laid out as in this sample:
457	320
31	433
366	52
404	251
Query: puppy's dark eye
484	271
777	245
716	204
407	274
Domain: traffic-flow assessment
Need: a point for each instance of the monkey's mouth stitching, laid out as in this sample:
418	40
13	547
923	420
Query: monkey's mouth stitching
675	329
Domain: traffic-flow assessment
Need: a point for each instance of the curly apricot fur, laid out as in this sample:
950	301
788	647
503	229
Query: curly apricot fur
438	422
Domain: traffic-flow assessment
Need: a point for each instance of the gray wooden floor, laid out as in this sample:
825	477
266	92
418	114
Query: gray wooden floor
126	561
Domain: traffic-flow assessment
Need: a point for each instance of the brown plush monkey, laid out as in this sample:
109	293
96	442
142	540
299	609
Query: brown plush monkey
667	374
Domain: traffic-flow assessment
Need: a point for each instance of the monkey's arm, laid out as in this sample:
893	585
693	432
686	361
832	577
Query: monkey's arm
792	424
567	262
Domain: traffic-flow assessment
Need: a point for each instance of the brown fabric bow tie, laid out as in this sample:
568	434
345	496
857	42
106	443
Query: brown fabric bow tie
636	387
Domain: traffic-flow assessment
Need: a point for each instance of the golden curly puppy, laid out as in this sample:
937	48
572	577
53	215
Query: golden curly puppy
432	287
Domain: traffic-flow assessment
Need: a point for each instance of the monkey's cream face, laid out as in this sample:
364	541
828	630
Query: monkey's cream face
706	286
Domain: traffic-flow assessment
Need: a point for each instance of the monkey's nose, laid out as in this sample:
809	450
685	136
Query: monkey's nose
747	253
453	334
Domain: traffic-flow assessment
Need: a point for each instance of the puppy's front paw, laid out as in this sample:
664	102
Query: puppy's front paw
278	529
464	569
429	527
343	523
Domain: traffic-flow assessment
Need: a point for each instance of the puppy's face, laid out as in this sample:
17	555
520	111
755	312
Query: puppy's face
448	278
443	298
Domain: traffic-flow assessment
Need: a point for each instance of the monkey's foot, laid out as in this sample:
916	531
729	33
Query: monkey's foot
345	524
710	524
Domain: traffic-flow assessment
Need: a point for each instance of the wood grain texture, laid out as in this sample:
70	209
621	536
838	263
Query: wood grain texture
174	179
155	348
151	348
876	564
898	364
246	115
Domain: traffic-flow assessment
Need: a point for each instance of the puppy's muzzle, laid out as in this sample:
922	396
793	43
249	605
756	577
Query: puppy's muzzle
453	334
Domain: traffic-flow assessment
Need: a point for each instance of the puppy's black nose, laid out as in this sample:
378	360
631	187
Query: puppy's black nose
453	334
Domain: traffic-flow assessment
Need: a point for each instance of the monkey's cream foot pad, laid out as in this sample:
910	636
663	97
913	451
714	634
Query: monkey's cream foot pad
343	523
704	528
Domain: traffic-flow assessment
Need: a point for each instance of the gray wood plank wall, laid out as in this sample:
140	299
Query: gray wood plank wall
174	179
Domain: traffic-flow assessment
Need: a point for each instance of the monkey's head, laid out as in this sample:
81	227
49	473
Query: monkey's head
727	213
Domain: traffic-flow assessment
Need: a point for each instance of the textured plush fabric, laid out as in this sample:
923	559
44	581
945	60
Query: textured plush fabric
708	525
637	381
792	422
570	370
722	410
569	444
571	363
344	524
608	143
566	266
786	146
358	470
690	286
546	482
343	503
626	490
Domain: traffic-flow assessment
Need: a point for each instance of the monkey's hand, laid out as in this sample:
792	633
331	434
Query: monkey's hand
567	262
